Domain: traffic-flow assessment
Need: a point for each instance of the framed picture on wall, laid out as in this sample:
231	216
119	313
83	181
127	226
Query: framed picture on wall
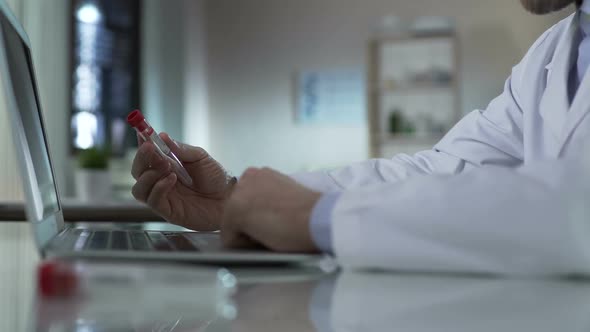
331	97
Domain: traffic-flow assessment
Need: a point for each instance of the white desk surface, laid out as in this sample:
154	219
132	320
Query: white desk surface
290	299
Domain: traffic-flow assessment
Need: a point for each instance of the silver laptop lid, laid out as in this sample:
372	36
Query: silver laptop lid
21	101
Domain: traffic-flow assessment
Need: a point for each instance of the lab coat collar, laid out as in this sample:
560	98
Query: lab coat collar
554	105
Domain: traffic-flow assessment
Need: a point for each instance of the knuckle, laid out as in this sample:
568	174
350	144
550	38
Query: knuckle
250	171
145	149
159	186
267	172
197	150
159	164
136	173
201	150
135	191
154	196
154	158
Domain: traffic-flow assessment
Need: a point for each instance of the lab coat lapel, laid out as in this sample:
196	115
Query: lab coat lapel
579	109
554	103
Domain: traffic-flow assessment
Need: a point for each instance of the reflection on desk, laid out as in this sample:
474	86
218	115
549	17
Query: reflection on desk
360	302
137	297
412	303
365	302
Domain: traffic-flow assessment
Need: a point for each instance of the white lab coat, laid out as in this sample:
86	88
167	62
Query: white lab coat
504	192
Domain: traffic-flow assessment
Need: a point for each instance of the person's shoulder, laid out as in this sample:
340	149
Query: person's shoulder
540	55
548	41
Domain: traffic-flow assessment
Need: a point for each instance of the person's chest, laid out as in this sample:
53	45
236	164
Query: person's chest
556	122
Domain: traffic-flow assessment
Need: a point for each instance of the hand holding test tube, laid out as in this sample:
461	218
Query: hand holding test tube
146	132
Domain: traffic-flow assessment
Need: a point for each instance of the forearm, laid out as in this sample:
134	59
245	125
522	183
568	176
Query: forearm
527	221
378	171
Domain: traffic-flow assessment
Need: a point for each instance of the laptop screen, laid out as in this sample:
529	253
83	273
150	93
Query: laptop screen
27	104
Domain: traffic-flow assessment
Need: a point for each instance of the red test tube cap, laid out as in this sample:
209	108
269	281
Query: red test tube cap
56	279
135	118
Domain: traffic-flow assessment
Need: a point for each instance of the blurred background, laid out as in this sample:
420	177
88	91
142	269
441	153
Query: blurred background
291	84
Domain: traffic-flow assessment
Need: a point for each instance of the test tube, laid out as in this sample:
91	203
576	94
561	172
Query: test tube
62	278
145	131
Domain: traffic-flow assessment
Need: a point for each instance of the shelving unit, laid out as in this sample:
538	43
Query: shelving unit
417	78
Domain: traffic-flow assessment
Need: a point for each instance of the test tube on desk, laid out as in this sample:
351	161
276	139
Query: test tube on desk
145	131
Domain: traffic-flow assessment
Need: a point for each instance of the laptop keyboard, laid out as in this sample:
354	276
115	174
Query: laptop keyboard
179	241
139	241
119	240
159	241
98	240
78	239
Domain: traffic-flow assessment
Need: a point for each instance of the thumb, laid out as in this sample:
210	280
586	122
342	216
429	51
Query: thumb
186	153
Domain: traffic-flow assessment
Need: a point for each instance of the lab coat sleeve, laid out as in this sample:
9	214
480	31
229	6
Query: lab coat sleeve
533	220
482	138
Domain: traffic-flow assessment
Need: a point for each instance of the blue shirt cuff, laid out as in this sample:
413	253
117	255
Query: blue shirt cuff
321	221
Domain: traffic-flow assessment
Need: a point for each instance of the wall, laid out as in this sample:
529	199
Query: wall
46	25
162	65
255	47
196	92
174	85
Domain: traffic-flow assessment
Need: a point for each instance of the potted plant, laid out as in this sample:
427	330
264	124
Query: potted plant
93	179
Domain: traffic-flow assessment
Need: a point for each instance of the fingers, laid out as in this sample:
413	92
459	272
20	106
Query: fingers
186	153
158	194
236	240
233	236
233	225
146	182
140	140
146	157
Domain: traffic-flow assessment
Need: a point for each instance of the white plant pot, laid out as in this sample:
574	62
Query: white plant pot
93	185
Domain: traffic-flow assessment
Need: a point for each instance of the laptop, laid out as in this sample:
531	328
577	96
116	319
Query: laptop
42	201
